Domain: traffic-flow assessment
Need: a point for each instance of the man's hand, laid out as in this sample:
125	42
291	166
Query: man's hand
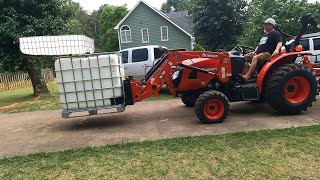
276	53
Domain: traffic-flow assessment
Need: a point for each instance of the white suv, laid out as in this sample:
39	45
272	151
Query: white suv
139	60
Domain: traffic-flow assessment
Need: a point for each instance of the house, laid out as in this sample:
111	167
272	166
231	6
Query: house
145	25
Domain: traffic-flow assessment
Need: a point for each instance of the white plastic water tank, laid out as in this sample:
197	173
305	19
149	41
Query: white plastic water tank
89	82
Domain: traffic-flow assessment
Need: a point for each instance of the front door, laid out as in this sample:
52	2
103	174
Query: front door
316	49
140	62
125	61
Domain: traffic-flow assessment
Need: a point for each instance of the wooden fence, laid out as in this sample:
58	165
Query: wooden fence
19	80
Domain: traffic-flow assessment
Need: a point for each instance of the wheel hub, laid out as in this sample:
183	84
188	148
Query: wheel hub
297	89
290	89
214	109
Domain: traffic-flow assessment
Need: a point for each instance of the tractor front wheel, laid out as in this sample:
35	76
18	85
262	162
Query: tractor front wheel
291	89
212	107
188	100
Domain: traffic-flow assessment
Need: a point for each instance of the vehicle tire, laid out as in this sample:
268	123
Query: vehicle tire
212	107
291	88
93	112
65	115
188	100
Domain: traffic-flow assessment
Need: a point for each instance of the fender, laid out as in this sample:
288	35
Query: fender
285	57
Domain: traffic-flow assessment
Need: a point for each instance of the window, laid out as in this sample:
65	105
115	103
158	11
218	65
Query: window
159	52
304	43
145	35
125	34
316	44
140	55
124	55
164	33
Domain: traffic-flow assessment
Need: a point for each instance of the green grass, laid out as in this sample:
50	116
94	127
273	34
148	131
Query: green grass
164	95
22	100
270	154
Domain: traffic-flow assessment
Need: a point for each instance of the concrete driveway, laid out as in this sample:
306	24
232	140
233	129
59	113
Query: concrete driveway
46	131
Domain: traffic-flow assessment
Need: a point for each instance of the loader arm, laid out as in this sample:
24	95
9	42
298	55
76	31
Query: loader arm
160	75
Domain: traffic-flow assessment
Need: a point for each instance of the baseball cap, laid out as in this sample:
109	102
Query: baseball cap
270	21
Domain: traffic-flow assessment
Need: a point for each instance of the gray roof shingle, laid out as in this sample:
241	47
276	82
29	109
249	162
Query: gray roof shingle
182	19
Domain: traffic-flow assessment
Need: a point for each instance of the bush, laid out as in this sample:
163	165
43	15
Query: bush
198	47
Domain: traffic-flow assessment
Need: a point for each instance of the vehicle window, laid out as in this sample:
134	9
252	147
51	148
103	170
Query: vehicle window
305	45
140	55
159	52
124	55
316	43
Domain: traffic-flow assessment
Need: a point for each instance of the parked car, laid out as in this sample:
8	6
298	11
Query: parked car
310	42
139	60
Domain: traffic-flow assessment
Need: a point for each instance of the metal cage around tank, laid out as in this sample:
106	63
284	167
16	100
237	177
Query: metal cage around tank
89	92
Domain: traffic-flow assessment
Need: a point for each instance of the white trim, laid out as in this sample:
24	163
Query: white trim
162	39
125	31
119	39
147	35
162	15
193	40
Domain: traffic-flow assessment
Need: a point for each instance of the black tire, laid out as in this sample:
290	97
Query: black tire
93	112
188	100
276	90
202	103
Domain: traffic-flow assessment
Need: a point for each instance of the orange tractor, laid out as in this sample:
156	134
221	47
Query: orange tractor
210	80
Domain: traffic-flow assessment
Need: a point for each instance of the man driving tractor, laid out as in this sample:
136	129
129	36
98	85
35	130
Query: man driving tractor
269	46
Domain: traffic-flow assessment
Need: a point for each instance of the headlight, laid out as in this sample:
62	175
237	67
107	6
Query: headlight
175	75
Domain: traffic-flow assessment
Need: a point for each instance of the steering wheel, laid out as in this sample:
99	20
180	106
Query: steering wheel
243	49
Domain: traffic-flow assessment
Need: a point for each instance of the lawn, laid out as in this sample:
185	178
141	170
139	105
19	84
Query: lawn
22	100
269	154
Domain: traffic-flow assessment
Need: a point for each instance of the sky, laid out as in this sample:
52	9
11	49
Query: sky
91	5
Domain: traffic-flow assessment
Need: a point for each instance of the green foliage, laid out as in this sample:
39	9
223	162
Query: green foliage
177	5
80	22
109	17
286	13
20	18
198	47
218	23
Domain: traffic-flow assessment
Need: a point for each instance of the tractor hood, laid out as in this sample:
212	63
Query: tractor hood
203	63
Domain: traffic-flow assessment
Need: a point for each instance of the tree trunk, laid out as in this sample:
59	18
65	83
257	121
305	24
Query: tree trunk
34	70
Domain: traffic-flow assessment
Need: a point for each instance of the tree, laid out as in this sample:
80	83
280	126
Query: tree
20	18
176	5
286	13
78	21
109	17
218	23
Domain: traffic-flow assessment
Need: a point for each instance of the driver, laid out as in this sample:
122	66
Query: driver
269	46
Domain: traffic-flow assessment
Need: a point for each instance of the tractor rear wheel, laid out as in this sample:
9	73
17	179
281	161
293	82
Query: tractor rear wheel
212	107
291	88
188	100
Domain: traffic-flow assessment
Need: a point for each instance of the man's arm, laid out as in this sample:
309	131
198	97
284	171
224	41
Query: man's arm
278	39
278	48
